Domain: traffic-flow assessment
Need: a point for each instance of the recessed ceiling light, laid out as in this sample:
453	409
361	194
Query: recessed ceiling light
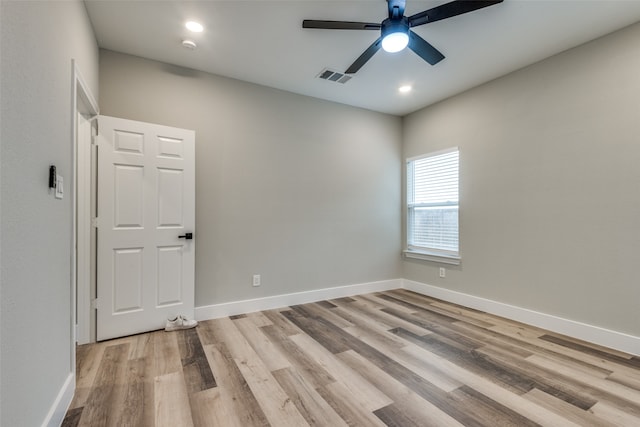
404	89
189	44
194	26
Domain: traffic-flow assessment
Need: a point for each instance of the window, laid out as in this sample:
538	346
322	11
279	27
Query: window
432	207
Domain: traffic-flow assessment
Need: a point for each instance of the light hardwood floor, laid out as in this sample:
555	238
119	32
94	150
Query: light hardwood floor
394	358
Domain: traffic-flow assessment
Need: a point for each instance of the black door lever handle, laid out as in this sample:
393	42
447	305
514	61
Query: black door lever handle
187	236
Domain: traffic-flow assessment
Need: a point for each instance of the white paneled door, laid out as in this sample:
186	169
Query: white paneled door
146	221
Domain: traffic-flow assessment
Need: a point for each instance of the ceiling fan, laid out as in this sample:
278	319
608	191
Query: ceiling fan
395	31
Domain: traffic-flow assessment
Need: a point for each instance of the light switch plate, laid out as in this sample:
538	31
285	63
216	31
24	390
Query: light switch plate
59	185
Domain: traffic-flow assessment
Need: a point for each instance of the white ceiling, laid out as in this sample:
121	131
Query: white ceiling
263	42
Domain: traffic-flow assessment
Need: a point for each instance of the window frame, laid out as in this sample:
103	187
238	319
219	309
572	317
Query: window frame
426	253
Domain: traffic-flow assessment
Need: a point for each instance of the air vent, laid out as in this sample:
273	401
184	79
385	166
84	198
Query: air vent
333	76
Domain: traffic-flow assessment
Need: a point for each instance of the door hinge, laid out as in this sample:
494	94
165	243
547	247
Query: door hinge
94	303
94	222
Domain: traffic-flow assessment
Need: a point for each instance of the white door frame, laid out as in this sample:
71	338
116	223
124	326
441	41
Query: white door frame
83	102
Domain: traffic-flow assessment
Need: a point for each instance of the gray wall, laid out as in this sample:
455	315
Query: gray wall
38	41
304	192
550	184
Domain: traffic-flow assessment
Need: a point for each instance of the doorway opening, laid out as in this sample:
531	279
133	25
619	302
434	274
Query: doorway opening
84	111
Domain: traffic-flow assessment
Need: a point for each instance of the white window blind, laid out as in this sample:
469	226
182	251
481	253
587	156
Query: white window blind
432	204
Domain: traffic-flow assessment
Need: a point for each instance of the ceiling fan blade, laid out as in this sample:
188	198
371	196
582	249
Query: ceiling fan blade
449	10
396	8
366	55
339	25
424	49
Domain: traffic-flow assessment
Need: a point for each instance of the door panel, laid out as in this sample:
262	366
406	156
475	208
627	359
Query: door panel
127	280
128	196
170	195
146	199
169	275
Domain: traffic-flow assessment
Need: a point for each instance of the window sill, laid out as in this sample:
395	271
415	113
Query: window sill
435	257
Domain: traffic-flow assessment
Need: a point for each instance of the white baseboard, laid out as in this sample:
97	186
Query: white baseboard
216	311
594	334
61	404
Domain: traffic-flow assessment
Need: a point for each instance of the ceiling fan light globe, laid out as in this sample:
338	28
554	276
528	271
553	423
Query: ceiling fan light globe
395	42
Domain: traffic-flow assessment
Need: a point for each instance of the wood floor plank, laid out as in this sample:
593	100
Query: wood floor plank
426	382
210	331
236	396
277	406
360	389
607	355
417	409
560	384
506	372
466	315
380	303
139	345
486	410
626	380
366	326
322	332
149	413
481	366
570	412
461	314
318	310
167	358
444	334
237	316
326	304
394	358
208	409
616	415
315	410
489	388
427	372
172	401
384	320
517	331
195	366
418	384
344	299
86	368
101	408
270	354
82	355
133	405
310	369
551	350
280	322
600	383
431	316
351	410
259	319
392	416
72	417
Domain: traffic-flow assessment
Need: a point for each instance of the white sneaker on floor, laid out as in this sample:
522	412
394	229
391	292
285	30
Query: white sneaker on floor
180	322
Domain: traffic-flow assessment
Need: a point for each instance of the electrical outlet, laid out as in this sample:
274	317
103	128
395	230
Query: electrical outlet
443	272
256	280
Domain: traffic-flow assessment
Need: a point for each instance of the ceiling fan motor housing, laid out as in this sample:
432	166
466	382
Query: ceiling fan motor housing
390	26
395	34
